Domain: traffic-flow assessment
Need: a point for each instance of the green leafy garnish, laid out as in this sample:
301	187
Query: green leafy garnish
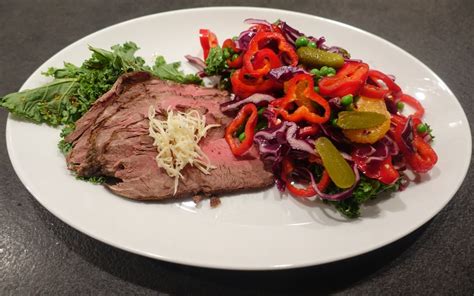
216	61
171	72
74	89
367	189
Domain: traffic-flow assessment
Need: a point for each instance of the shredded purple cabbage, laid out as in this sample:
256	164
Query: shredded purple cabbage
285	73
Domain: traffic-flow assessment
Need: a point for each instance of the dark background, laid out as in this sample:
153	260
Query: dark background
41	255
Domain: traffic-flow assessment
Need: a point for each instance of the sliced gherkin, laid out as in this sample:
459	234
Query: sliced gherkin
337	167
315	57
359	119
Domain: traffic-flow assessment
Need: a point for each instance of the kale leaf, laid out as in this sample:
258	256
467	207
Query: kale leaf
74	89
367	189
216	61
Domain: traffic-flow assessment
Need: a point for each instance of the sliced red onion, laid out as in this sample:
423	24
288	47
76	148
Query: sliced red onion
198	63
256	99
338	196
391	144
285	73
243	41
254	21
391	104
404	182
335	103
407	135
271	117
296	143
332	133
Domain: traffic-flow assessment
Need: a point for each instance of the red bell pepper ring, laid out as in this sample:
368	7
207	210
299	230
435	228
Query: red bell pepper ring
248	112
382	171
348	80
244	88
304	99
258	42
380	90
415	104
308	191
423	157
208	40
265	60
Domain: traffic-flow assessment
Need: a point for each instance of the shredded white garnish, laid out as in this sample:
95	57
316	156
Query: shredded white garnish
176	139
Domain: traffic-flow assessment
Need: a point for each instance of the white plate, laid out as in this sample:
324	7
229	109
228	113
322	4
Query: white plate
262	230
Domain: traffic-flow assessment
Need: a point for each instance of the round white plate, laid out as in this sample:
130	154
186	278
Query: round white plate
262	230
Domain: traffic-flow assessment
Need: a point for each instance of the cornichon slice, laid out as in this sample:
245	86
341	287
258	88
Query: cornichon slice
337	167
314	57
359	119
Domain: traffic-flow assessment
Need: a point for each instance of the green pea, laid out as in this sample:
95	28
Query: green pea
334	122
400	106
315	72
301	41
235	56
347	100
312	44
422	128
316	89
242	137
331	70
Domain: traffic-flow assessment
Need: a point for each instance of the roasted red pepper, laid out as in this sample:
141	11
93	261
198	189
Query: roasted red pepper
420	156
380	170
244	87
208	41
308	191
249	113
286	52
348	80
412	102
300	91
380	90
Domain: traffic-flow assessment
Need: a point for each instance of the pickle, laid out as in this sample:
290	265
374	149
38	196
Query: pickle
359	119
369	135
315	57
337	167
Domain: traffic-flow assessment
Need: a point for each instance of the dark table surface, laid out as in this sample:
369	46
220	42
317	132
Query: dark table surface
39	254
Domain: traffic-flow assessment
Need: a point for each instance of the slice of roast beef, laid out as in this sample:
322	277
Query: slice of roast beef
112	140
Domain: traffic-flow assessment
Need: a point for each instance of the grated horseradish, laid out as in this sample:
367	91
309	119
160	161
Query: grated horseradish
176	139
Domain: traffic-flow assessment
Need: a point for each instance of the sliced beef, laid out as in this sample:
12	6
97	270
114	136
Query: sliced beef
112	140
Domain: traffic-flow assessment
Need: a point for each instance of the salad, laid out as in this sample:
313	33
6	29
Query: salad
330	126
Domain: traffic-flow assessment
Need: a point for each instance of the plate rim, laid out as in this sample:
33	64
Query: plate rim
465	169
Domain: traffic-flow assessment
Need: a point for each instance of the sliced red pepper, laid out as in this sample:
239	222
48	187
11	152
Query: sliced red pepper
244	87
308	191
373	91
348	80
208	41
423	158
308	131
286	52
380	170
300	91
248	112
415	104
